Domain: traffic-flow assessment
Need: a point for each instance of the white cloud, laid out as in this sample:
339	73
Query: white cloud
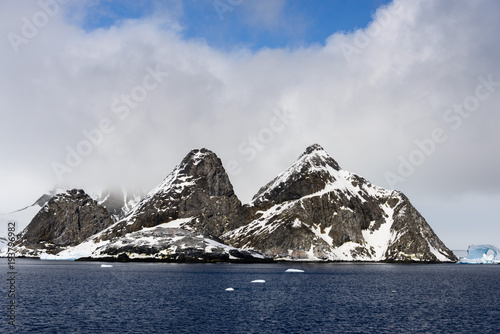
263	14
366	112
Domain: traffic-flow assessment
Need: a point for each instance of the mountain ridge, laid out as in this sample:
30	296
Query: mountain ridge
312	211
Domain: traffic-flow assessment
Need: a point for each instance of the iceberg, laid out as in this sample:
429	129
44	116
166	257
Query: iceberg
481	254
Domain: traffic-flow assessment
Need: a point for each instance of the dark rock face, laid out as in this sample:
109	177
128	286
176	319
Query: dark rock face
306	178
335	216
198	188
415	236
315	210
65	220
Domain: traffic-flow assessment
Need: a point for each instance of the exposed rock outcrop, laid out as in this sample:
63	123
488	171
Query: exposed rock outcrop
163	243
66	220
199	189
315	210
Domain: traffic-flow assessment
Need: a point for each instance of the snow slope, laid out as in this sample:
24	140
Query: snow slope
316	211
21	217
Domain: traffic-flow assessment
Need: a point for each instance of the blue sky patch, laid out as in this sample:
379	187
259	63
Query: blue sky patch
254	24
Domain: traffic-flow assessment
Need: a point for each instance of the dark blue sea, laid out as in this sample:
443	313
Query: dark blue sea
83	297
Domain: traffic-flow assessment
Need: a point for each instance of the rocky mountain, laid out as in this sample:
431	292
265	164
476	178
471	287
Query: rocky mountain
198	190
167	242
118	202
23	217
66	220
316	211
313	211
180	220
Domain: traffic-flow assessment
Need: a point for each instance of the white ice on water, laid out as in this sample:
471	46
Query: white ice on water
258	281
482	254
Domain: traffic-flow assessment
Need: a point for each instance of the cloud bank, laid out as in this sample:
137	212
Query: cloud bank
143	95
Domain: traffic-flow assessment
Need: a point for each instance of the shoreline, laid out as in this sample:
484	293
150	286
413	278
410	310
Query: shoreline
243	261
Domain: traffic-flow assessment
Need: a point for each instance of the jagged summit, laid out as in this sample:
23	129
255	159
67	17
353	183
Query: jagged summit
65	220
198	158
198	154
312	148
310	173
313	210
315	156
195	170
198	190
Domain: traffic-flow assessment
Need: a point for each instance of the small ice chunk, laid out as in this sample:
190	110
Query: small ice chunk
294	271
258	281
106	266
229	289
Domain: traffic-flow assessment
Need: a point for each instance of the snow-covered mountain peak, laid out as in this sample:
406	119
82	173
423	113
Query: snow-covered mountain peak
315	157
310	173
195	167
314	210
69	193
199	156
198	187
314	149
65	220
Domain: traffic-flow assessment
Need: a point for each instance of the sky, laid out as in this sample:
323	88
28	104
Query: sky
99	93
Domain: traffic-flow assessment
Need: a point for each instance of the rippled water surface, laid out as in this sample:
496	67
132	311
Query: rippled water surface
83	297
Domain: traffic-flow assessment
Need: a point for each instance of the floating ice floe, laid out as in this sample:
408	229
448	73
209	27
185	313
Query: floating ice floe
294	271
258	281
481	254
106	266
229	289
